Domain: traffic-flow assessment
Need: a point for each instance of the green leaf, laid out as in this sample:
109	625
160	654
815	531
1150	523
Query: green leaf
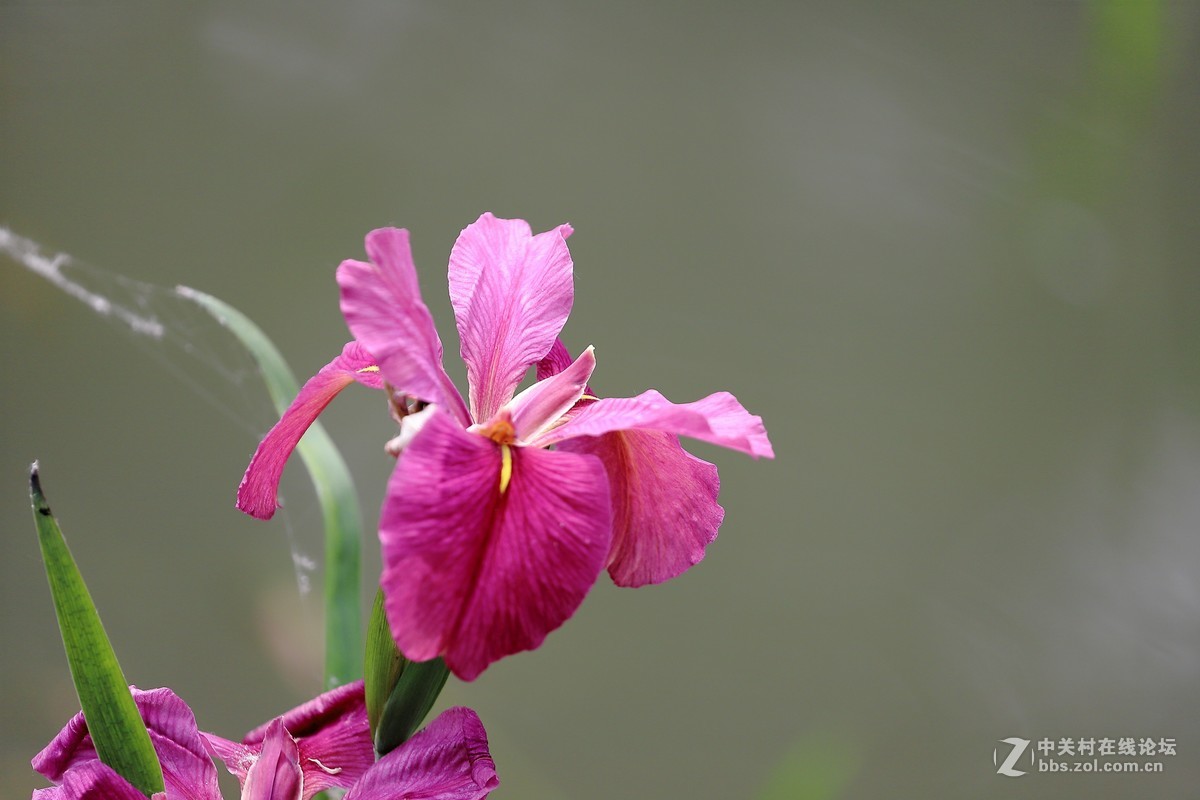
382	663
117	729
335	492
415	692
399	692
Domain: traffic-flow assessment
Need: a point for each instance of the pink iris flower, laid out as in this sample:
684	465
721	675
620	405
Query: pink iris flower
326	744
323	744
71	763
503	509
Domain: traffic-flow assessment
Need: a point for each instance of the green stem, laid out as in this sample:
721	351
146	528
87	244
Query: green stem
335	492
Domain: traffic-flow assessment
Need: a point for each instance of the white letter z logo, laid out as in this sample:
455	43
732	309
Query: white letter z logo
1018	749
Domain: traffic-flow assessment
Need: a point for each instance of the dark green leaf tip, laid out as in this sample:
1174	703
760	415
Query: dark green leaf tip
35	491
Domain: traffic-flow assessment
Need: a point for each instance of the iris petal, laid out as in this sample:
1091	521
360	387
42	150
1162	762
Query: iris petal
554	362
538	407
448	760
512	293
258	493
664	499
276	773
332	738
93	781
474	573
382	304
718	419
188	773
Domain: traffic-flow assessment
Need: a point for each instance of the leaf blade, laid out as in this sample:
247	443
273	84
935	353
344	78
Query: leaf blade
382	663
335	492
118	732
399	693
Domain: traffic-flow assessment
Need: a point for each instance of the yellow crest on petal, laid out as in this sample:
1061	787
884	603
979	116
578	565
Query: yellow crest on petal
505	467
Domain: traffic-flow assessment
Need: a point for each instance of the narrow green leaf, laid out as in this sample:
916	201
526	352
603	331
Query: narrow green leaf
382	663
416	691
117	729
335	492
399	692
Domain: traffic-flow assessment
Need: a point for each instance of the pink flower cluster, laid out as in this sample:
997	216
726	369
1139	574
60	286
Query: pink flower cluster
323	744
501	512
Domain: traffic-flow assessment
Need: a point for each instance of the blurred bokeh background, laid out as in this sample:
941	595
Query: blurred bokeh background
947	250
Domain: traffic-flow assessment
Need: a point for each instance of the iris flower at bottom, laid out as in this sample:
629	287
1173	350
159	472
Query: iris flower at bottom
503	509
70	760
326	744
323	744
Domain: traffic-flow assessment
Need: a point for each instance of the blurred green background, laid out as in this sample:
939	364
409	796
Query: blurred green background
946	250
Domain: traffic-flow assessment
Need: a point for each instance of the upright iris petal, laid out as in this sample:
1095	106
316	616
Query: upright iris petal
512	293
501	512
542	406
276	773
384	310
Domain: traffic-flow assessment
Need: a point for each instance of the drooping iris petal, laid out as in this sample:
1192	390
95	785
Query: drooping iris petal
664	500
665	510
382	304
542	404
512	293
332	737
487	547
258	493
718	419
188	772
448	760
